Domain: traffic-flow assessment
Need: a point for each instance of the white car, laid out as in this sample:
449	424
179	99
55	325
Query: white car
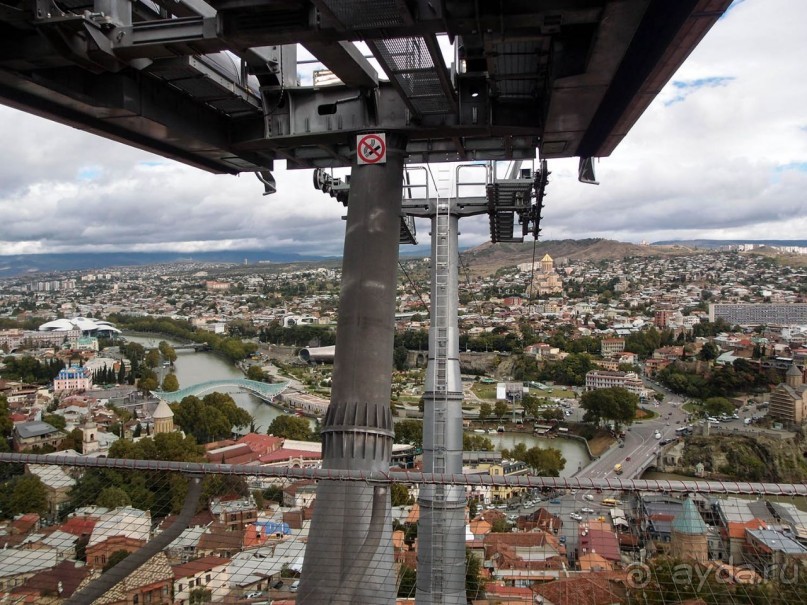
587	510
576	516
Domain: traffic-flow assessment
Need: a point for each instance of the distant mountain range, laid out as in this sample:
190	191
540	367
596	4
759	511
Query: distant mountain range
12	266
485	258
718	243
488	257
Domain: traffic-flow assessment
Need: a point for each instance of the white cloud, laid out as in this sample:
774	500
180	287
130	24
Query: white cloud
721	153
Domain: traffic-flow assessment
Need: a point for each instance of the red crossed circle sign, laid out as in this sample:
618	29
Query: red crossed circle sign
371	148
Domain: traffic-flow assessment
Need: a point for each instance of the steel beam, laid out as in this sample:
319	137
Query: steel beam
346	62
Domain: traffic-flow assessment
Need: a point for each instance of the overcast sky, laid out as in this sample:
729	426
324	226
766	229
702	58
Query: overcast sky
721	153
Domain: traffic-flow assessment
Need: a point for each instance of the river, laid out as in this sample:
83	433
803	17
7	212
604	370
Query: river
192	368
573	450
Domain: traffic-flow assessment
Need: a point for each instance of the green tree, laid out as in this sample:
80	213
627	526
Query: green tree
23	494
255	372
73	441
115	558
407	582
485	410
152	359
211	418
409	431
500	526
546	462
709	352
147	384
170	383
399	357
197	596
551	414
291	427
474	443
616	404
273	493
473	578
400	495
113	497
167	351
500	409
6	424
56	421
716	406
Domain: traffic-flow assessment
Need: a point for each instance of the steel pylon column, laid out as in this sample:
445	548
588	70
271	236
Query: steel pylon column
441	529
349	558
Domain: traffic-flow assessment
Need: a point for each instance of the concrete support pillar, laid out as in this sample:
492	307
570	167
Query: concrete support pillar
349	553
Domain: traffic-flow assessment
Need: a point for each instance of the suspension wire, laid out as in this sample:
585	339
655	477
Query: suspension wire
415	286
532	273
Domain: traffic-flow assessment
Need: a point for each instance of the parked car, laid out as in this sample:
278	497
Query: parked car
555	501
576	516
252	595
587	510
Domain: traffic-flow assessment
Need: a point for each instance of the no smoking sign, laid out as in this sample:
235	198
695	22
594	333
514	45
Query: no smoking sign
371	148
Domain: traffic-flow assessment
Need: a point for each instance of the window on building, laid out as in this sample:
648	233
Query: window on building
136	599
207	579
180	587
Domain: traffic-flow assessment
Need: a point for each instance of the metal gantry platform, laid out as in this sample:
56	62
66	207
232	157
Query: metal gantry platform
217	84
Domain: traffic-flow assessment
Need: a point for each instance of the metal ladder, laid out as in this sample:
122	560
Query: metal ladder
442	275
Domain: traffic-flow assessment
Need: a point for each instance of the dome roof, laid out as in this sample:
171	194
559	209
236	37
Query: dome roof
689	520
163	410
77	323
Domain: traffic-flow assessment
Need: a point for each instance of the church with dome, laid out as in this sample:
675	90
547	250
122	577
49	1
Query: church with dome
163	418
545	280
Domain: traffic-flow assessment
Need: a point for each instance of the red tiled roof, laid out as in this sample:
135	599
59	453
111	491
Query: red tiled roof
79	526
600	541
286	454
191	568
25	523
508	591
585	589
262	443
66	575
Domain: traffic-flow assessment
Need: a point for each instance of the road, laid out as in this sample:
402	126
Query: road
641	442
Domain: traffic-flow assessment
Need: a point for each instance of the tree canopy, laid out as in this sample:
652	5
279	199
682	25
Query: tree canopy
23	494
409	431
211	418
170	383
616	404
292	427
547	462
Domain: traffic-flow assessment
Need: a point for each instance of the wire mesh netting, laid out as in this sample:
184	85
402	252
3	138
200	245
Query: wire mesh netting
145	532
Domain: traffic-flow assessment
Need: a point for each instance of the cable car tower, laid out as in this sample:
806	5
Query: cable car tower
510	202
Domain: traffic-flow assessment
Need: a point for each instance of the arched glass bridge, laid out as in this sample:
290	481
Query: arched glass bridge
261	389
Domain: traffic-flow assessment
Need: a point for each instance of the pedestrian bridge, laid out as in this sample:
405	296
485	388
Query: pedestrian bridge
263	390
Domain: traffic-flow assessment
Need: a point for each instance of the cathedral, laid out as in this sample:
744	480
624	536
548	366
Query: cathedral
546	280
